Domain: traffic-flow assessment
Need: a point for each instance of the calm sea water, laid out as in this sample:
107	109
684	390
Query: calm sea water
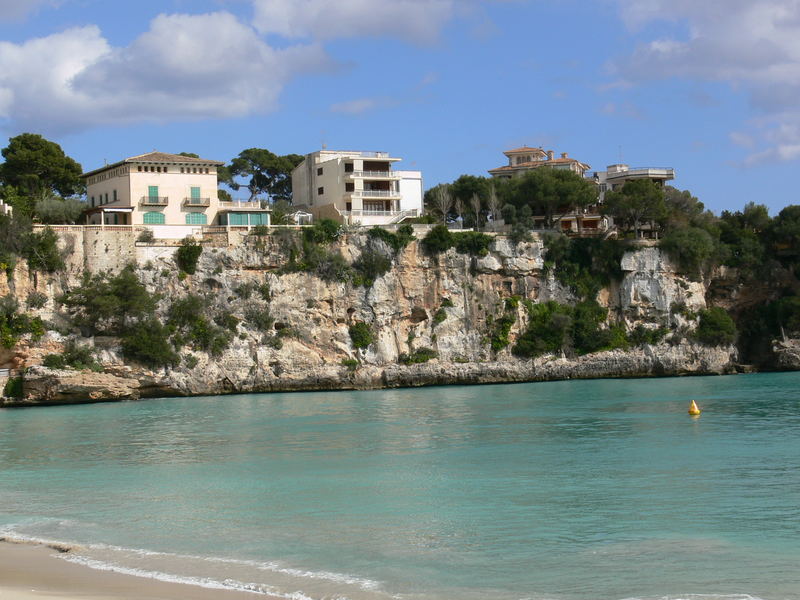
600	490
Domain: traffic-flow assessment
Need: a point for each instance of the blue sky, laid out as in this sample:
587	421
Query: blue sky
708	87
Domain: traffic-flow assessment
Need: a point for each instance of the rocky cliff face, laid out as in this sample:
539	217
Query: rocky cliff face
312	319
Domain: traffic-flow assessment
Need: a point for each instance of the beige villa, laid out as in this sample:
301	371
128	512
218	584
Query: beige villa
164	189
525	159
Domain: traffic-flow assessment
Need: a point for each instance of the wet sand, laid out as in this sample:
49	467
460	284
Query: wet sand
31	572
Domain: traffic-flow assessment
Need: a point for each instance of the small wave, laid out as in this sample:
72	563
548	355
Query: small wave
700	597
72	553
227	584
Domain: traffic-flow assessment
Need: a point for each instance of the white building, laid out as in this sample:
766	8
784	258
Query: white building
615	176
356	187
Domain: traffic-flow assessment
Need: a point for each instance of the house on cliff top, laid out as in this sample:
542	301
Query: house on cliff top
164	189
356	187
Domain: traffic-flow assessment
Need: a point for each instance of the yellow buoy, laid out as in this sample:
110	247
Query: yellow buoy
694	410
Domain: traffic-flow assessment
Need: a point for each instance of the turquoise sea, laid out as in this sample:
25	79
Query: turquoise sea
575	490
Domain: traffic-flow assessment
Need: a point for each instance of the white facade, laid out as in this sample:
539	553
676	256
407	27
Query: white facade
615	176
356	187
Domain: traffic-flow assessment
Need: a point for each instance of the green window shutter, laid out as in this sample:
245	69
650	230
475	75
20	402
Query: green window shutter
195	193
194	218
152	191
238	219
153	218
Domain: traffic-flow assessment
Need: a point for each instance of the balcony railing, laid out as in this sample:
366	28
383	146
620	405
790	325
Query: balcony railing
375	194
155	200
245	205
665	172
197	201
374	174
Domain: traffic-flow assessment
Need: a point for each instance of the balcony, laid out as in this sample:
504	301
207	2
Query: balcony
197	201
245	205
154	201
643	173
373	174
374	194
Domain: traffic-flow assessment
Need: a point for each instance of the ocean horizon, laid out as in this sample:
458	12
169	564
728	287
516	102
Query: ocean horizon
571	490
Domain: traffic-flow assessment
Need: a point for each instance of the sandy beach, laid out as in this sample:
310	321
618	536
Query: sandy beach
29	572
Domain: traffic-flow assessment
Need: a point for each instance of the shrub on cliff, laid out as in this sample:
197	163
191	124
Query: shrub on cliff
396	241
420	355
14	324
692	249
323	231
147	342
361	334
549	330
108	304
41	251
73	356
716	328
187	256
438	240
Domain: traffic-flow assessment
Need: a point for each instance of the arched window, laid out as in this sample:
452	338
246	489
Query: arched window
153	218
196	218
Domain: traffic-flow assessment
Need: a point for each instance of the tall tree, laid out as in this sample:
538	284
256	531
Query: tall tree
262	172
442	201
550	193
638	202
36	166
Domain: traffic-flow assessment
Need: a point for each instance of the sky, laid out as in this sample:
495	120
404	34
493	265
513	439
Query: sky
709	87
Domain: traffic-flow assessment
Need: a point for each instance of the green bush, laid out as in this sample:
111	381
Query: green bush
187	256
41	251
371	265
499	336
245	290
548	330
13	388
438	240
472	243
716	328
36	300
361	334
259	230
227	321
447	303
13	325
692	249
439	316
73	356
350	363
420	355
147	342
642	335
259	319
323	231
396	241
108	304
585	265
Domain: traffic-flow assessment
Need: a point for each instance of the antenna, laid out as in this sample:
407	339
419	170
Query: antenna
322	140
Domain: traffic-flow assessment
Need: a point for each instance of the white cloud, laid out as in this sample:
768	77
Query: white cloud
412	20
184	67
753	45
13	10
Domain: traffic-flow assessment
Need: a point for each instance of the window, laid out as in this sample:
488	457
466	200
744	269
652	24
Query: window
106	197
196	218
139	168
114	195
152	192
348	167
320	191
92	200
237	219
319	171
194	193
350	187
153	218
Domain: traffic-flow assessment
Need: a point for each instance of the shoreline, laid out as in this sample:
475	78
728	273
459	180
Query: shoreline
32	571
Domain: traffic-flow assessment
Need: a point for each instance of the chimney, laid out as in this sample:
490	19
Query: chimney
563	155
550	155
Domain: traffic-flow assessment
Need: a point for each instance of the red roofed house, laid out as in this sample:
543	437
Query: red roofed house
522	160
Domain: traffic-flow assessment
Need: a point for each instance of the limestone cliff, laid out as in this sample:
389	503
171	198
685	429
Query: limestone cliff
312	318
